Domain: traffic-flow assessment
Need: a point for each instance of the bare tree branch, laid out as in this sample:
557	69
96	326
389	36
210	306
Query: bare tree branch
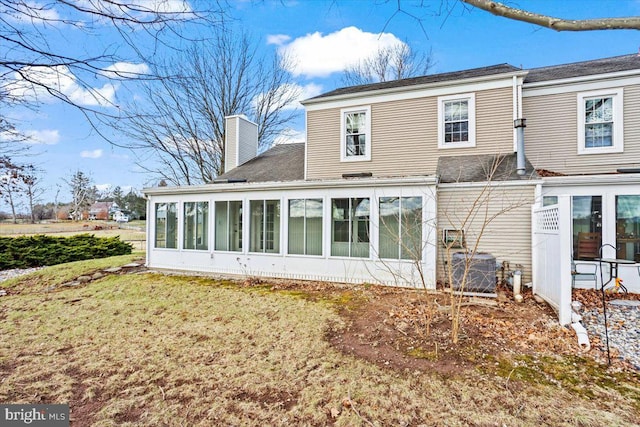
558	24
388	63
179	130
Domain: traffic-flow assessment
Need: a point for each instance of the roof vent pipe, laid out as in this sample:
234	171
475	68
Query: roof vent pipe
520	124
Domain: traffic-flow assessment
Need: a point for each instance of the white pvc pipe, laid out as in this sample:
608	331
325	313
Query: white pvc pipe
583	338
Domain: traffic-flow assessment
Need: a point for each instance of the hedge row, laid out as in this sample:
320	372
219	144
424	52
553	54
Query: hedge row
41	250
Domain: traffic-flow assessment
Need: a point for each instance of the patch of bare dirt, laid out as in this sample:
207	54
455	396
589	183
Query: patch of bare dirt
410	330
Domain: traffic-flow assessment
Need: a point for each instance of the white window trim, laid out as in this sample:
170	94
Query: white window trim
471	99
618	126
343	134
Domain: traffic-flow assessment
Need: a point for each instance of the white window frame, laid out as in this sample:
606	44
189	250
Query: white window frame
343	134
471	104
618	125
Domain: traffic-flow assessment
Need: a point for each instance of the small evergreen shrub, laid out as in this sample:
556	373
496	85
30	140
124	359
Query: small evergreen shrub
41	250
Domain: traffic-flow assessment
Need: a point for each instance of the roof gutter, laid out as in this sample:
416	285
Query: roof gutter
289	185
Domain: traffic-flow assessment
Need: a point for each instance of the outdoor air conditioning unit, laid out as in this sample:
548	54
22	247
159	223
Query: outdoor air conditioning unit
481	275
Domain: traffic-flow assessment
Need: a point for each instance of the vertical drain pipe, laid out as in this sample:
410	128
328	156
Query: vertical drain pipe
520	124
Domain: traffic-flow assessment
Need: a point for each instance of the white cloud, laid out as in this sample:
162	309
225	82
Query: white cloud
318	55
43	136
125	70
91	154
33	82
289	136
278	39
103	187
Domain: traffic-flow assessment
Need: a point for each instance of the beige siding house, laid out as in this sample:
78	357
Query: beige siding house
391	171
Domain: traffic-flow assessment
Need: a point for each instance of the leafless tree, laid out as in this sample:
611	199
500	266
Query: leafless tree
394	62
10	173
31	186
35	59
83	193
178	127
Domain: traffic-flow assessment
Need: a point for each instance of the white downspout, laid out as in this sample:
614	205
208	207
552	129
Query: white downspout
520	124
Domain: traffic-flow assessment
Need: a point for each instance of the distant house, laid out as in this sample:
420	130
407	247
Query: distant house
100	210
388	171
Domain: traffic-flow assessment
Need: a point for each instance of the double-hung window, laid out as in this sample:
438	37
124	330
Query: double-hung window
264	226
196	230
400	228
350	227
166	225
600	128
305	226
355	144
228	226
457	121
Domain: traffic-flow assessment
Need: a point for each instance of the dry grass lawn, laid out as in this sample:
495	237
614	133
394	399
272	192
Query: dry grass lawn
150	349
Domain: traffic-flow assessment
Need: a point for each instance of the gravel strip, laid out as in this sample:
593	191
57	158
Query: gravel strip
10	274
624	335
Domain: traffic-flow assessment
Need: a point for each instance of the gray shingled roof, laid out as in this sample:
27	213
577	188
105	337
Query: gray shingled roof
585	68
284	162
481	167
432	78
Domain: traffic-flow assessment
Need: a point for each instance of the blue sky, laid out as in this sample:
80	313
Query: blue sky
324	36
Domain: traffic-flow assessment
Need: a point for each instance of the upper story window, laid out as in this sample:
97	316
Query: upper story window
355	144
457	121
600	127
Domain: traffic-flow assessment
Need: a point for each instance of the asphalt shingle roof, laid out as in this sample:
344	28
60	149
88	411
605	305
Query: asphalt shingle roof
284	162
432	78
482	167
584	68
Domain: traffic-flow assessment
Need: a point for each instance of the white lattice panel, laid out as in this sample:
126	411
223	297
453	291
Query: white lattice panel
546	220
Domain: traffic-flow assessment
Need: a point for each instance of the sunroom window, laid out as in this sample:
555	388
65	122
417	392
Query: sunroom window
228	226
350	227
264	226
196	218
305	226
166	217
400	228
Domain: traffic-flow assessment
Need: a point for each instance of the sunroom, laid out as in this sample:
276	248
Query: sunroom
349	230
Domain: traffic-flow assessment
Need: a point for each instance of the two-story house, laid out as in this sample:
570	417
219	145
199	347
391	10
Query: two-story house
393	173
